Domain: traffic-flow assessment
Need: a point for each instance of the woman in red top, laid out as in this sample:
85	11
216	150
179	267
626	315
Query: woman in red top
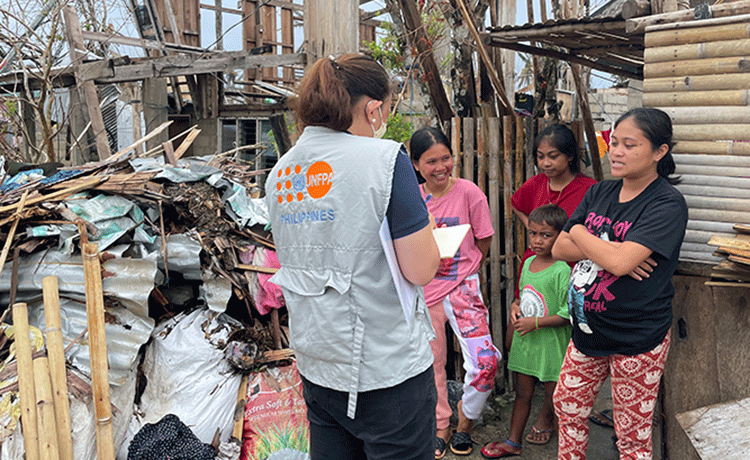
559	180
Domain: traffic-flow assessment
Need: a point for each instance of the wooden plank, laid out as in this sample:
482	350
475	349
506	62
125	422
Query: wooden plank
184	65
85	87
732	243
720	431
742	228
91	182
257	268
184	145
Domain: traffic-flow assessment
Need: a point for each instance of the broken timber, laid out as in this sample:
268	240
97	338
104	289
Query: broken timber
106	71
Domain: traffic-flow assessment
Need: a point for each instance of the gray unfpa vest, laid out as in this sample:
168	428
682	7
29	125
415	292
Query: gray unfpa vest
327	198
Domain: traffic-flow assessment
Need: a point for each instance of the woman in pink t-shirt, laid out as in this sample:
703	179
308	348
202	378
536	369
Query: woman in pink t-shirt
453	296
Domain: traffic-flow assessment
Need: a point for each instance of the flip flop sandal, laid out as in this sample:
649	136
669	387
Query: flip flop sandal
534	434
439	447
498	451
461	443
603	418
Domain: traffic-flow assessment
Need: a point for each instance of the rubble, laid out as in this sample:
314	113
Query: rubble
177	243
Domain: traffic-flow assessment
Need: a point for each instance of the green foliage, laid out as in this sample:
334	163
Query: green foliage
399	128
389	51
287	437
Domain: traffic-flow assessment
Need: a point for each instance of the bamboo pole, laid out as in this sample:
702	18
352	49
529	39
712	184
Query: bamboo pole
717	21
98	352
703	115
712	132
738	98
510	275
518	181
26	388
638	25
697	83
692	67
694	35
482	154
469	132
239	409
56	354
588	122
47	426
456	145
713	148
707	50
493	191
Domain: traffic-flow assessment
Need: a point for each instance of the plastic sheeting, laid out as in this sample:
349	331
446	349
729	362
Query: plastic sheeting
126	288
188	376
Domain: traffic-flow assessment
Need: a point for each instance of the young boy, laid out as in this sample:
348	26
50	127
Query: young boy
542	332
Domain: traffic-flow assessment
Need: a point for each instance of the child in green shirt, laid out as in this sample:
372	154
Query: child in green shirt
542	332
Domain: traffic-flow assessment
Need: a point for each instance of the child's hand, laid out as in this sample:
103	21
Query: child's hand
524	325
515	310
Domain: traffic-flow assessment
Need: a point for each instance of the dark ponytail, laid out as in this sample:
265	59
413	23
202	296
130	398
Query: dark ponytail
332	87
657	127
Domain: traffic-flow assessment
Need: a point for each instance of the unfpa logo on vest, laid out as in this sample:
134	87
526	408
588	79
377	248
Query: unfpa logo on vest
292	184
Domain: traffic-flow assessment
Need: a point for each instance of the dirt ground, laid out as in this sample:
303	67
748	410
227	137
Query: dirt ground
497	420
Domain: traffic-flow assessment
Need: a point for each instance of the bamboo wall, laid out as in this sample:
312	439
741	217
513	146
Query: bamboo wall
490	153
699	76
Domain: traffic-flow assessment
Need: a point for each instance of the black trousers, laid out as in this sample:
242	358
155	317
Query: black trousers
396	423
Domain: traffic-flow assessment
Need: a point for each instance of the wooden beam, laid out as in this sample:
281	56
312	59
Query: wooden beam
567	56
494	78
638	25
85	87
182	65
418	39
588	122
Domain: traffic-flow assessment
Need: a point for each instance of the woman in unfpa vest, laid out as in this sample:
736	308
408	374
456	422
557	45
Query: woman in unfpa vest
338	200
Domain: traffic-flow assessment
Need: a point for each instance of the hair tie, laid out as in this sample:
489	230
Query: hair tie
333	62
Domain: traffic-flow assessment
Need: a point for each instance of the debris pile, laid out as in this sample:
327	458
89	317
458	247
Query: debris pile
183	247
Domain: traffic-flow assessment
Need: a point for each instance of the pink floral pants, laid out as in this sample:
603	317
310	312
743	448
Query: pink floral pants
635	385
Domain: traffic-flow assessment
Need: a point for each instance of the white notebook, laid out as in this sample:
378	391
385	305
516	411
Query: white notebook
449	239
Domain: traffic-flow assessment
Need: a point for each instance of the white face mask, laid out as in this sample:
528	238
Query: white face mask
380	132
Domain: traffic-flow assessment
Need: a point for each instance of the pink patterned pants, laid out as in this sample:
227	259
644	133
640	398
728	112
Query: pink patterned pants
635	384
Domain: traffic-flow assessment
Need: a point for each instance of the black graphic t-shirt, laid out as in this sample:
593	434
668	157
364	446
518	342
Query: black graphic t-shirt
620	315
